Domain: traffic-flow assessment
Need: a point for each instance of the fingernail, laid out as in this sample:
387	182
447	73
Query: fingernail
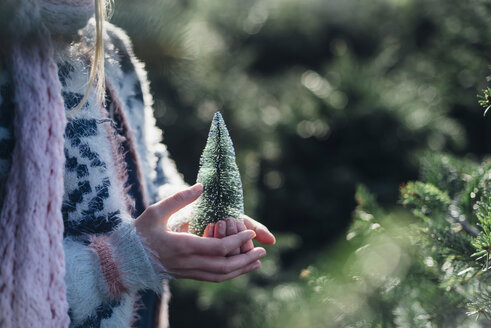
262	253
221	227
252	235
197	188
257	265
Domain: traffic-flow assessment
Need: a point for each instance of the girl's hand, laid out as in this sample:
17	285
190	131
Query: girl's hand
185	255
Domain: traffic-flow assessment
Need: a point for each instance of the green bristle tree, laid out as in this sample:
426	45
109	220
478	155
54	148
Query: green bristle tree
218	172
430	269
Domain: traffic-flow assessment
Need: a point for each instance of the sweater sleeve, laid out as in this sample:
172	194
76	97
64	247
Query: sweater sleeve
168	181
162	179
102	268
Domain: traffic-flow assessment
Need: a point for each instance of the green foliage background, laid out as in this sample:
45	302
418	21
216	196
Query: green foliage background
319	97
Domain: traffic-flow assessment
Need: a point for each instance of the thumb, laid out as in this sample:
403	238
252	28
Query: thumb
165	208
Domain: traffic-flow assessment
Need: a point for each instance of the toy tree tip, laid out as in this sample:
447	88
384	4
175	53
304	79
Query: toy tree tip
217	117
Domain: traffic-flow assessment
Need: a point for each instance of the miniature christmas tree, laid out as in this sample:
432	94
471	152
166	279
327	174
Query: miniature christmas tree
218	172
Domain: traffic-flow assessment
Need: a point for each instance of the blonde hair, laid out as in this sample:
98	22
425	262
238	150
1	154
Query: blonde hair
96	77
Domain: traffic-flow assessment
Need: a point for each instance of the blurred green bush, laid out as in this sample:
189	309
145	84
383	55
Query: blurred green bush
319	96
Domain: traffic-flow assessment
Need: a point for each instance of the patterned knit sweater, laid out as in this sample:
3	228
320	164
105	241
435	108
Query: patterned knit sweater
115	166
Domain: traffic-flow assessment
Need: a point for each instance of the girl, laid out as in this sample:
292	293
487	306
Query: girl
80	159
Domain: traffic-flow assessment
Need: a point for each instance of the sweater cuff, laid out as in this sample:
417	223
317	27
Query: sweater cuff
127	263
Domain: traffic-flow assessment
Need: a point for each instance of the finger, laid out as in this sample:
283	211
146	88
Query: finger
165	208
263	235
248	245
219	264
209	230
213	246
220	229
232	230
213	277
